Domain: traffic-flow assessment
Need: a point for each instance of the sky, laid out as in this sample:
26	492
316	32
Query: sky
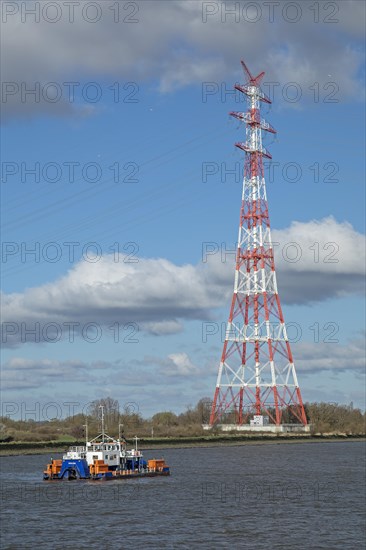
121	191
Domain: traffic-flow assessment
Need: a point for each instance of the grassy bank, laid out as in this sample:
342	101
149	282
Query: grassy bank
45	447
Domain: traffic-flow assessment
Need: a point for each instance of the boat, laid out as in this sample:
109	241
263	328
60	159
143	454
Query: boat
104	458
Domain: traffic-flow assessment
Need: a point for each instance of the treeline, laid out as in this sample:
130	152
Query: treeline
331	417
323	417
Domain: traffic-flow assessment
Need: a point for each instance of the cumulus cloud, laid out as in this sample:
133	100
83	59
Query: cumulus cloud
178	364
311	358
156	295
150	291
314	260
319	259
174	44
163	327
316	357
19	373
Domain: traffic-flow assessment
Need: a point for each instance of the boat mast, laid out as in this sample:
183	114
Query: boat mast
119	431
102	407
86	434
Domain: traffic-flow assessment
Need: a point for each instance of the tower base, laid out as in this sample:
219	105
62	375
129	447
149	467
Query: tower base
269	428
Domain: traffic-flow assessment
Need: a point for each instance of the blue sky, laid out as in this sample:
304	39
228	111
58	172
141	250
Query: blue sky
163	158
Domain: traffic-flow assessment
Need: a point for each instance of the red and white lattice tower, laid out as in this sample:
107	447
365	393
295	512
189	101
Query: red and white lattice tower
257	382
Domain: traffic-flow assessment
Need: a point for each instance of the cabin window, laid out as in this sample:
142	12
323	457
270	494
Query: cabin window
106	456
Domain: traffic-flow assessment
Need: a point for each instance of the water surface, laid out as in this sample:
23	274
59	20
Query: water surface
285	496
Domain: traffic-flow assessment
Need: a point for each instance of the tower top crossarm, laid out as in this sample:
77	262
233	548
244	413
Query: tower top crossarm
252	86
252	118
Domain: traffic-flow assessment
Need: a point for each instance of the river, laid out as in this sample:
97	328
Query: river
265	496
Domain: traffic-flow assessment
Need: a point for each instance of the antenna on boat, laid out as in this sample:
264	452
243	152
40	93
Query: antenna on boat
86	433
119	431
102	407
136	440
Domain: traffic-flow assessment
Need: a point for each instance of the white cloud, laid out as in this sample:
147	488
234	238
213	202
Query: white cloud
162	327
317	357
157	295
178	364
319	259
20	373
160	374
314	261
321	245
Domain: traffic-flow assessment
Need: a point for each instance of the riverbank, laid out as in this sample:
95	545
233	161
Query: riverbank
46	447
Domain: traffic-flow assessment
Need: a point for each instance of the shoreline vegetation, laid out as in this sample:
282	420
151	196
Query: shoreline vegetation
41	434
45	447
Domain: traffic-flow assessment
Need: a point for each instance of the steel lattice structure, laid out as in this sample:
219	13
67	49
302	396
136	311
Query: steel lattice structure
257	373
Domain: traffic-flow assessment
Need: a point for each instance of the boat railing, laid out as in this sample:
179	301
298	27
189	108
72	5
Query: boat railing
77	449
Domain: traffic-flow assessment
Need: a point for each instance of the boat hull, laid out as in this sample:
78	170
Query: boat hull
107	477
